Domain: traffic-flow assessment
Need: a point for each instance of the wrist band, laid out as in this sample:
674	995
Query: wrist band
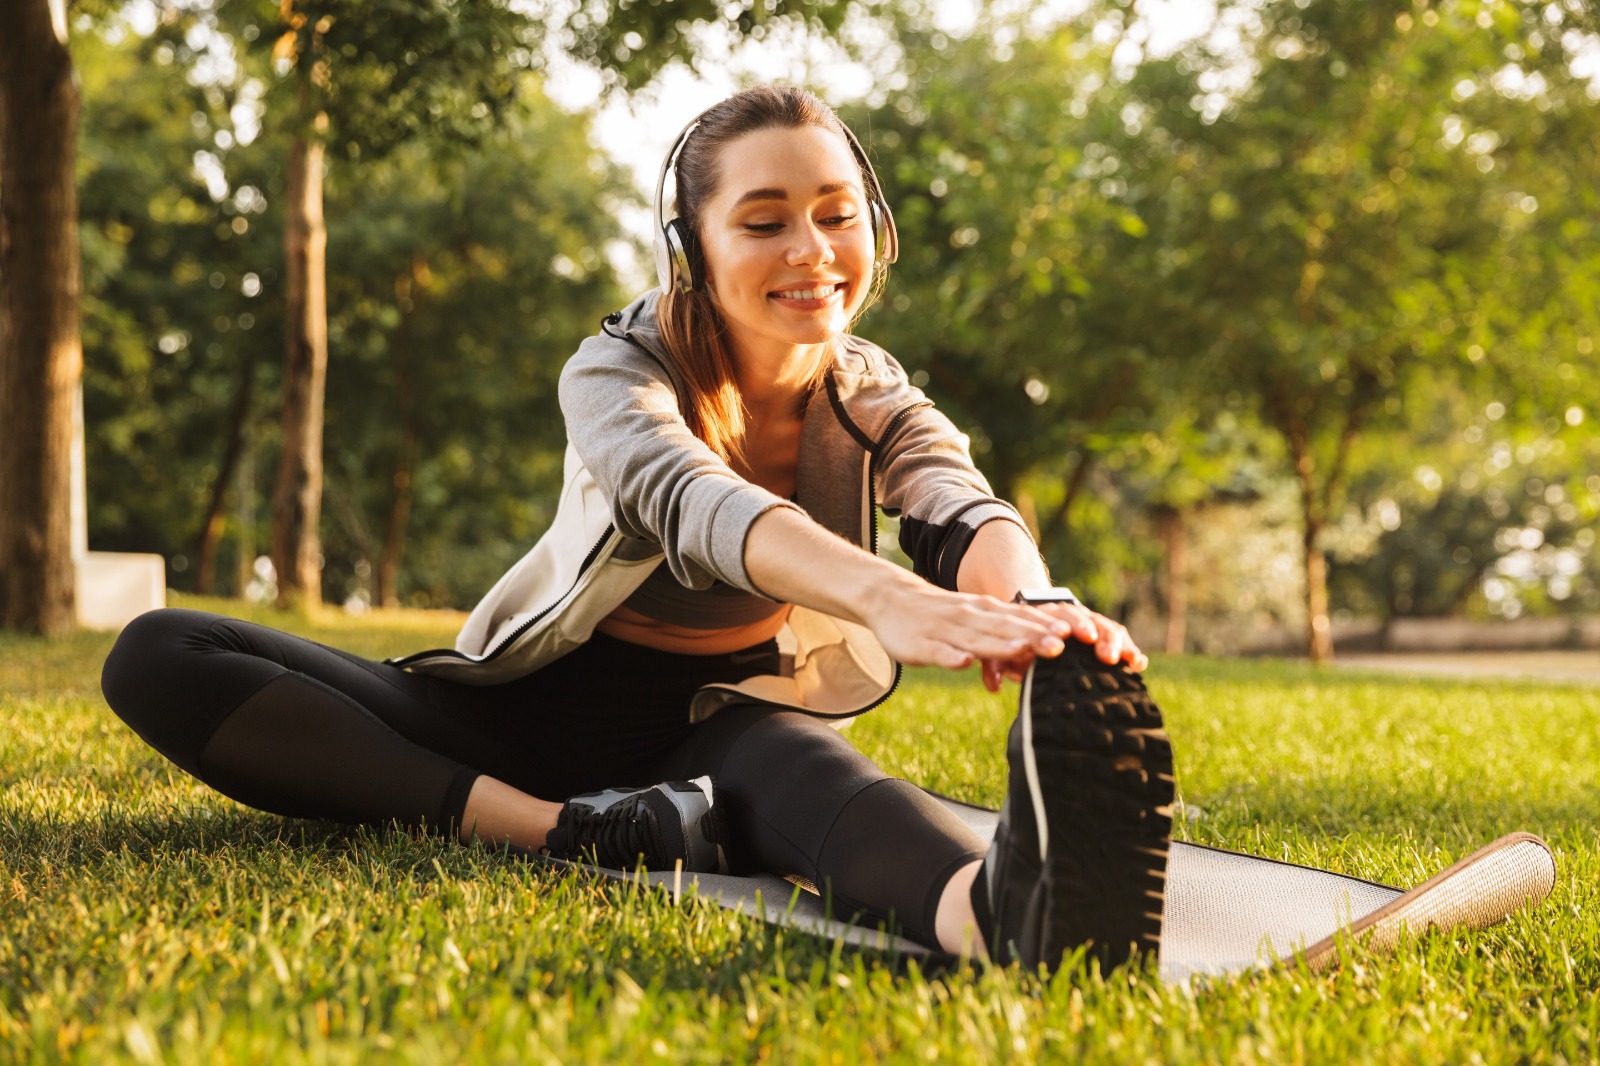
1035	597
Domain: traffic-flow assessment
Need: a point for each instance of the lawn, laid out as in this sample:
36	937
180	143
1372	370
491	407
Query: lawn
146	919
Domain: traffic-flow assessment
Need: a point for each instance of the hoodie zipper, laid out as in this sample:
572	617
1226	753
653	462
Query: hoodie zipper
872	519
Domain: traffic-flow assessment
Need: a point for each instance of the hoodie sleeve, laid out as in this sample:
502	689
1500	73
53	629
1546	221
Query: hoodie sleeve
926	475
664	484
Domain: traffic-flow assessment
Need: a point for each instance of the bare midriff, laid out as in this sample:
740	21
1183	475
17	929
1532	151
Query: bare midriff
635	628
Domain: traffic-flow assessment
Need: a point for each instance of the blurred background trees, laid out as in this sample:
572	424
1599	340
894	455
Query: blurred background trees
1288	322
1298	220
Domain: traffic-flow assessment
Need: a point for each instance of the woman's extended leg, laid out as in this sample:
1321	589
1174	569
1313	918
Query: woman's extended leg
801	800
293	727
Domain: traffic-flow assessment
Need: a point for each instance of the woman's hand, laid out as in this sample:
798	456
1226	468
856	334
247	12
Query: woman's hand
922	625
1002	559
1110	639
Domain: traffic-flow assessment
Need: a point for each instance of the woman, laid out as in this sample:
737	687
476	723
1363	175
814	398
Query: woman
707	599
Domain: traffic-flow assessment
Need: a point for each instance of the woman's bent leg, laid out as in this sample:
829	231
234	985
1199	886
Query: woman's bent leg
801	800
285	724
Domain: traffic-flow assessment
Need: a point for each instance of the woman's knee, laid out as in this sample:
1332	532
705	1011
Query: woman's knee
166	679
143	651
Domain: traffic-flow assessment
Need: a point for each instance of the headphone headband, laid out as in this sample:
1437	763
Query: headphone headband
677	251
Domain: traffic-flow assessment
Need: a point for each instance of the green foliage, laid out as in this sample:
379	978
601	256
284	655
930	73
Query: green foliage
143	917
1306	230
1479	512
1329	234
179	283
460	285
1145	286
997	300
462	275
369	76
633	41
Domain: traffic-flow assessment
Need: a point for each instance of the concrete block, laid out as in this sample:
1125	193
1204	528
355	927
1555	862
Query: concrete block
114	588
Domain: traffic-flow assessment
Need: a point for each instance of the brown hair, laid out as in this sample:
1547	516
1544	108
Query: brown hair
692	327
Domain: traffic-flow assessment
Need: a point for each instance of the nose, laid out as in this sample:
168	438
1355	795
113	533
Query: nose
810	245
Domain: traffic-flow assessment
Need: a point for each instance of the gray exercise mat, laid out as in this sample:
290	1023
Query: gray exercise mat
1225	911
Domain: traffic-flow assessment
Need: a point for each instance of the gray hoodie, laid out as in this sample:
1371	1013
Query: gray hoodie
641	491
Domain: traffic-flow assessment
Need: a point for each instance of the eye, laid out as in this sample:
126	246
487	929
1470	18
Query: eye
839	220
763	228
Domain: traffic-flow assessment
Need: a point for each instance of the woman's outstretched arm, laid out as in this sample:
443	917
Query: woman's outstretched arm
791	558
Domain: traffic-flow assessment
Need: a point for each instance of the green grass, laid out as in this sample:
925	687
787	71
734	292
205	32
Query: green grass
144	918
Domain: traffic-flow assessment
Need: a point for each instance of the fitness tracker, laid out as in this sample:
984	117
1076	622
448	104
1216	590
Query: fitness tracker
1035	597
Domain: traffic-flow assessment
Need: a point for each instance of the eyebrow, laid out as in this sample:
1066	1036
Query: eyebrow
782	194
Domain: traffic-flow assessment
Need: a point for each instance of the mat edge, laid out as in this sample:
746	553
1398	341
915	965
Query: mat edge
1325	952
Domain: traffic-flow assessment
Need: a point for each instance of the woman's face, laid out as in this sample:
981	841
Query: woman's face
787	238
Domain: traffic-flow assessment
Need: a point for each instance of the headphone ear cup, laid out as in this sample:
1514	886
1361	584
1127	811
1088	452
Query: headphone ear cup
663	260
683	255
879	231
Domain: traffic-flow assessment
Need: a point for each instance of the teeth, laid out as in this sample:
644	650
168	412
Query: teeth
807	294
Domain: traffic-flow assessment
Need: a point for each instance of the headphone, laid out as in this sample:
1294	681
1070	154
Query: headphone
679	263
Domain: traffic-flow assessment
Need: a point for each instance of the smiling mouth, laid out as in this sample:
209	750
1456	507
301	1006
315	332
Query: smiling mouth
820	292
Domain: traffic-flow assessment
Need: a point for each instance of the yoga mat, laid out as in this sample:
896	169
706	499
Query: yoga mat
1225	911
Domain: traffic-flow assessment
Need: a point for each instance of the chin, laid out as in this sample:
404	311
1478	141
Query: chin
822	333
818	329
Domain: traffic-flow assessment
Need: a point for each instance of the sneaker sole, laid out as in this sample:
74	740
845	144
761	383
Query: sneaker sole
1099	771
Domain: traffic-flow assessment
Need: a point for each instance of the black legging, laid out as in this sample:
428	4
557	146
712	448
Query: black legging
297	728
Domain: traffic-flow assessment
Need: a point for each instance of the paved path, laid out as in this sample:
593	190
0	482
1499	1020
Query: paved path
1582	666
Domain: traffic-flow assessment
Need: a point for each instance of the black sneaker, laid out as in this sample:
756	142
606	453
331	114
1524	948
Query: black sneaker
1080	854
657	827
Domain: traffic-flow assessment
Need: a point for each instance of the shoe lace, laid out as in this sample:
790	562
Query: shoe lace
618	837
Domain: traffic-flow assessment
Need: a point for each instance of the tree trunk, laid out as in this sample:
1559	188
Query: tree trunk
1319	630
247	520
211	527
1174	537
41	352
1313	516
410	287
297	493
394	537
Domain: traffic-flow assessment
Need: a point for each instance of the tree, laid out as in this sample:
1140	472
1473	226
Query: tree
999	303
181	272
361	85
1327	211
464	281
1471	511
1014	301
41	354
632	42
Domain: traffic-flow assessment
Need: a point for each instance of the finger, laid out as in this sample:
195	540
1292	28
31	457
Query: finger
1130	652
1085	624
1002	638
1043	635
1089	627
1060	617
1111	644
950	657
992	670
998	671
